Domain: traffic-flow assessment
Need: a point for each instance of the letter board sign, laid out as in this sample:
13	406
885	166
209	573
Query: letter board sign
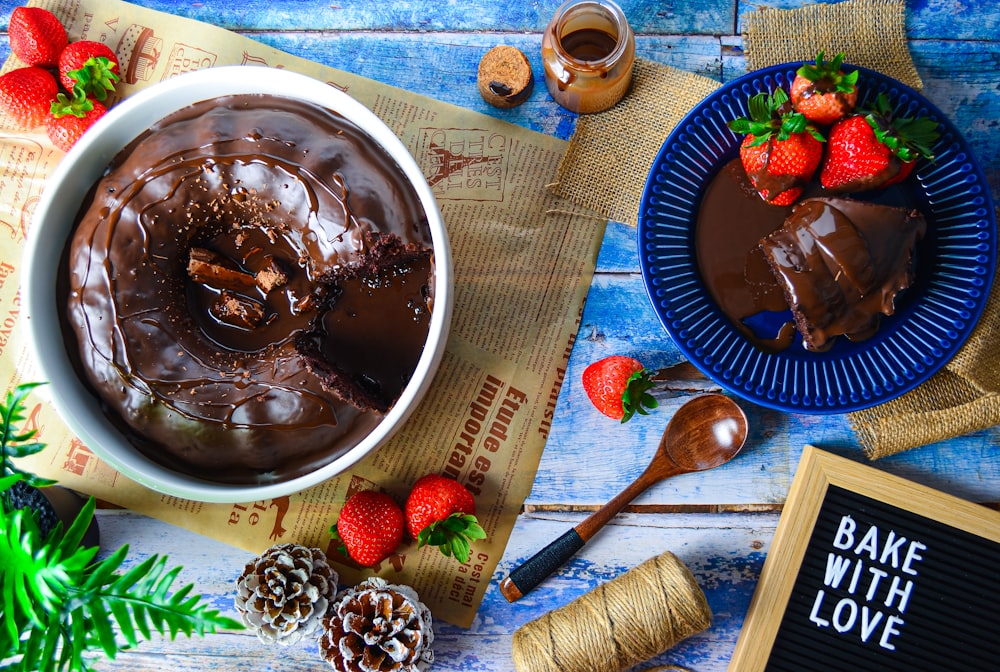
869	571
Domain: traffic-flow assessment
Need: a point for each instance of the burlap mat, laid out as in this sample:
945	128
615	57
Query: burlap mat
871	33
610	154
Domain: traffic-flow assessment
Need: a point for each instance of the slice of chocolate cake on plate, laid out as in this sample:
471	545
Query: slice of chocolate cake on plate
841	263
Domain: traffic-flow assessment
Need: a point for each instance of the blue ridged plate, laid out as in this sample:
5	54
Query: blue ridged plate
934	317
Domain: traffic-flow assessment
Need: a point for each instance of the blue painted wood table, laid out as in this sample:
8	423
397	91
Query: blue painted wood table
719	523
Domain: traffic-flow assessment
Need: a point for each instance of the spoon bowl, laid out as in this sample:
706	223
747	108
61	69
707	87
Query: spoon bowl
704	433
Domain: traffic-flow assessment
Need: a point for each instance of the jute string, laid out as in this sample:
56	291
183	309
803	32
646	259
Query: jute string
626	621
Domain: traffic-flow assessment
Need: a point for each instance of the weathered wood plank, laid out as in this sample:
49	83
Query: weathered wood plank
925	19
959	77
618	319
724	553
705	17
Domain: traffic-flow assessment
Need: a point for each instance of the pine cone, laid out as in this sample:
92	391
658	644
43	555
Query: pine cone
284	594
378	627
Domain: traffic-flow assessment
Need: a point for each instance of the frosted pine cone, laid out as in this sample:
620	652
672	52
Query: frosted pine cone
378	627
284	594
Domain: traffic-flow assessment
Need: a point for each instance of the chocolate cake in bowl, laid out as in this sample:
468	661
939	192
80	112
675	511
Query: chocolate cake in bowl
253	289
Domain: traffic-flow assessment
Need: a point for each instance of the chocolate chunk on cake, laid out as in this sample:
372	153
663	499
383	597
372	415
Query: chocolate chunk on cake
841	264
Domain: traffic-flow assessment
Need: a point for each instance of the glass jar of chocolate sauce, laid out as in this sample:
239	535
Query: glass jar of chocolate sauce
588	50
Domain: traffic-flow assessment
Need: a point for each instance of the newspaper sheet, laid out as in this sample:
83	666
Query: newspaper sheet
523	265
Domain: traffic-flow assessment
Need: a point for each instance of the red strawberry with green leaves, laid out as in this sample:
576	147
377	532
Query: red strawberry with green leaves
90	65
37	37
26	94
441	512
618	386
822	92
70	118
781	150
370	527
873	149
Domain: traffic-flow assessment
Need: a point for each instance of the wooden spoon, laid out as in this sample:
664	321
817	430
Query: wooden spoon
704	433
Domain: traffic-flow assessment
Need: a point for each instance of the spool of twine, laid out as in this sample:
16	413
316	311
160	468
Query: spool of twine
626	621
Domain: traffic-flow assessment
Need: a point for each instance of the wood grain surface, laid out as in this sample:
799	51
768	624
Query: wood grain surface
720	523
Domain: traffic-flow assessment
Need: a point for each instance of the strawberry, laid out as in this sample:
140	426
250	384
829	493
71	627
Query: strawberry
873	149
70	119
26	95
441	512
370	527
781	150
91	66
36	36
619	387
822	92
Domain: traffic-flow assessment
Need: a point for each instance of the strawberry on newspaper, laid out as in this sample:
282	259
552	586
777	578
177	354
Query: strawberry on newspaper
70	118
370	527
822	92
618	386
26	94
873	149
441	512
781	150
91	66
37	37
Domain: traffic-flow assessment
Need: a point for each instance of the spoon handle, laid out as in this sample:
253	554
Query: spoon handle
535	569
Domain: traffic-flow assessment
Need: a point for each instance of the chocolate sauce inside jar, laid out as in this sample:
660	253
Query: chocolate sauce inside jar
589	44
588	52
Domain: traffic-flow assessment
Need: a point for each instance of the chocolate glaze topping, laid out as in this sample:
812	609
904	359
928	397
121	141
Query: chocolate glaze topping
828	266
220	244
841	263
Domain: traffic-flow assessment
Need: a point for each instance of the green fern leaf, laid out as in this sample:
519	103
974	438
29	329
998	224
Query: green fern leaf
103	573
14	442
124	620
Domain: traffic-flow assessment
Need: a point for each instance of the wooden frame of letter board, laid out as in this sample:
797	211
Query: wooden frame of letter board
816	472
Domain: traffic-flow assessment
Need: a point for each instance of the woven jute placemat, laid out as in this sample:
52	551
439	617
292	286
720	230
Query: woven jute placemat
610	154
871	33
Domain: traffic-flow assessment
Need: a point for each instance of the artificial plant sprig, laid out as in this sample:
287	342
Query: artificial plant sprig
15	442
59	607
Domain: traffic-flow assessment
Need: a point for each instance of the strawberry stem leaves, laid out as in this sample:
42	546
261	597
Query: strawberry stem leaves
452	535
827	76
78	106
772	116
907	137
95	78
636	397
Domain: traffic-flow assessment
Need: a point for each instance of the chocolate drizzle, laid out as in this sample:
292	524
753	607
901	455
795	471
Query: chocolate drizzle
192	277
841	263
825	268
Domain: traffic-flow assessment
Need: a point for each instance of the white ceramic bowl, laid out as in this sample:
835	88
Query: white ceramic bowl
53	222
